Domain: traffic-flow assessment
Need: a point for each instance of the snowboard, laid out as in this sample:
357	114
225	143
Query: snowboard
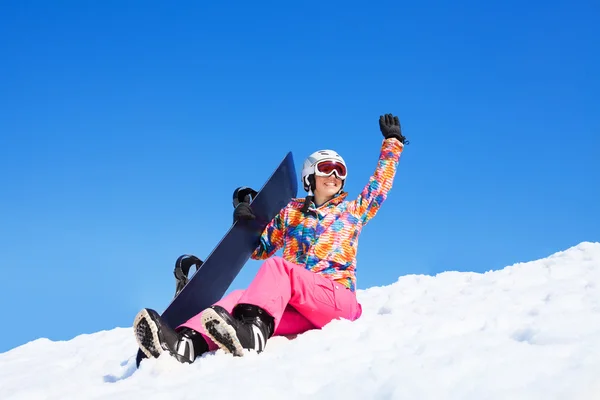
212	279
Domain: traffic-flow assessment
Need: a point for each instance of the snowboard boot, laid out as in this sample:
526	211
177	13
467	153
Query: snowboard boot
155	337
248	328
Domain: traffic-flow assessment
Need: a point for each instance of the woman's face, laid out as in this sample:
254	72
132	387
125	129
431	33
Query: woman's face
327	186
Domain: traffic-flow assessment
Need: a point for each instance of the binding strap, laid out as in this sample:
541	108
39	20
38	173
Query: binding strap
243	194
182	268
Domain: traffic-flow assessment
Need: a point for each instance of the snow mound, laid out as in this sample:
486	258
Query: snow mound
528	331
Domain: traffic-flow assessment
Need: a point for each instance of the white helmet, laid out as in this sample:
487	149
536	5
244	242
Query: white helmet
309	168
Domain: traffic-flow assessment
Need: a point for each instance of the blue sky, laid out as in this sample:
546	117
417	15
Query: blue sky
126	126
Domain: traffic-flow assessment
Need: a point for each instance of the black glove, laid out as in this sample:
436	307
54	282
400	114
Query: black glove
243	212
390	127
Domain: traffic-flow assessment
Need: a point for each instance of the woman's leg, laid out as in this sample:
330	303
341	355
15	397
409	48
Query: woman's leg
292	322
261	308
319	299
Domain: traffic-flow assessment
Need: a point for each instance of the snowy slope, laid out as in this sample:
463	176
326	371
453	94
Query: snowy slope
529	331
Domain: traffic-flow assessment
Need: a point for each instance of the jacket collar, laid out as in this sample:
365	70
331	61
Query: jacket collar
299	202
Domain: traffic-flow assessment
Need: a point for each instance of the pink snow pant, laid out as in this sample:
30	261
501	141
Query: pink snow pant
297	299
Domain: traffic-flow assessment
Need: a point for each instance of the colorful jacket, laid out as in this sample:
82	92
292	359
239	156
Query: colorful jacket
325	240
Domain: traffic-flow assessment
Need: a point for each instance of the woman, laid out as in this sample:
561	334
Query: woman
311	285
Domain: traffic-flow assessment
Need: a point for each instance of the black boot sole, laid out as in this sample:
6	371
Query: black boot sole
221	332
147	334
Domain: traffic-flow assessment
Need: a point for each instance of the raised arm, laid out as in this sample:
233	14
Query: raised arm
375	191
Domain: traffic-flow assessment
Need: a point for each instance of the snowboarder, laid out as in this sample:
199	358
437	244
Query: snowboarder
313	283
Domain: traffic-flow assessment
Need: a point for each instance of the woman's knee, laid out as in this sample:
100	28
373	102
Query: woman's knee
275	262
231	299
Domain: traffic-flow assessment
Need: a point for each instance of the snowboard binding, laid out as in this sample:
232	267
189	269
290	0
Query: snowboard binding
182	269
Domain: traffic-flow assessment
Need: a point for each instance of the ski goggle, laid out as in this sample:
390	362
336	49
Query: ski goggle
328	167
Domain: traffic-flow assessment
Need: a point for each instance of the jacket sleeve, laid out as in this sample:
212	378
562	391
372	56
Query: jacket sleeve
271	239
375	192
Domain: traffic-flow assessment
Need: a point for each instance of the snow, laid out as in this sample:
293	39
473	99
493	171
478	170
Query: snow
528	331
